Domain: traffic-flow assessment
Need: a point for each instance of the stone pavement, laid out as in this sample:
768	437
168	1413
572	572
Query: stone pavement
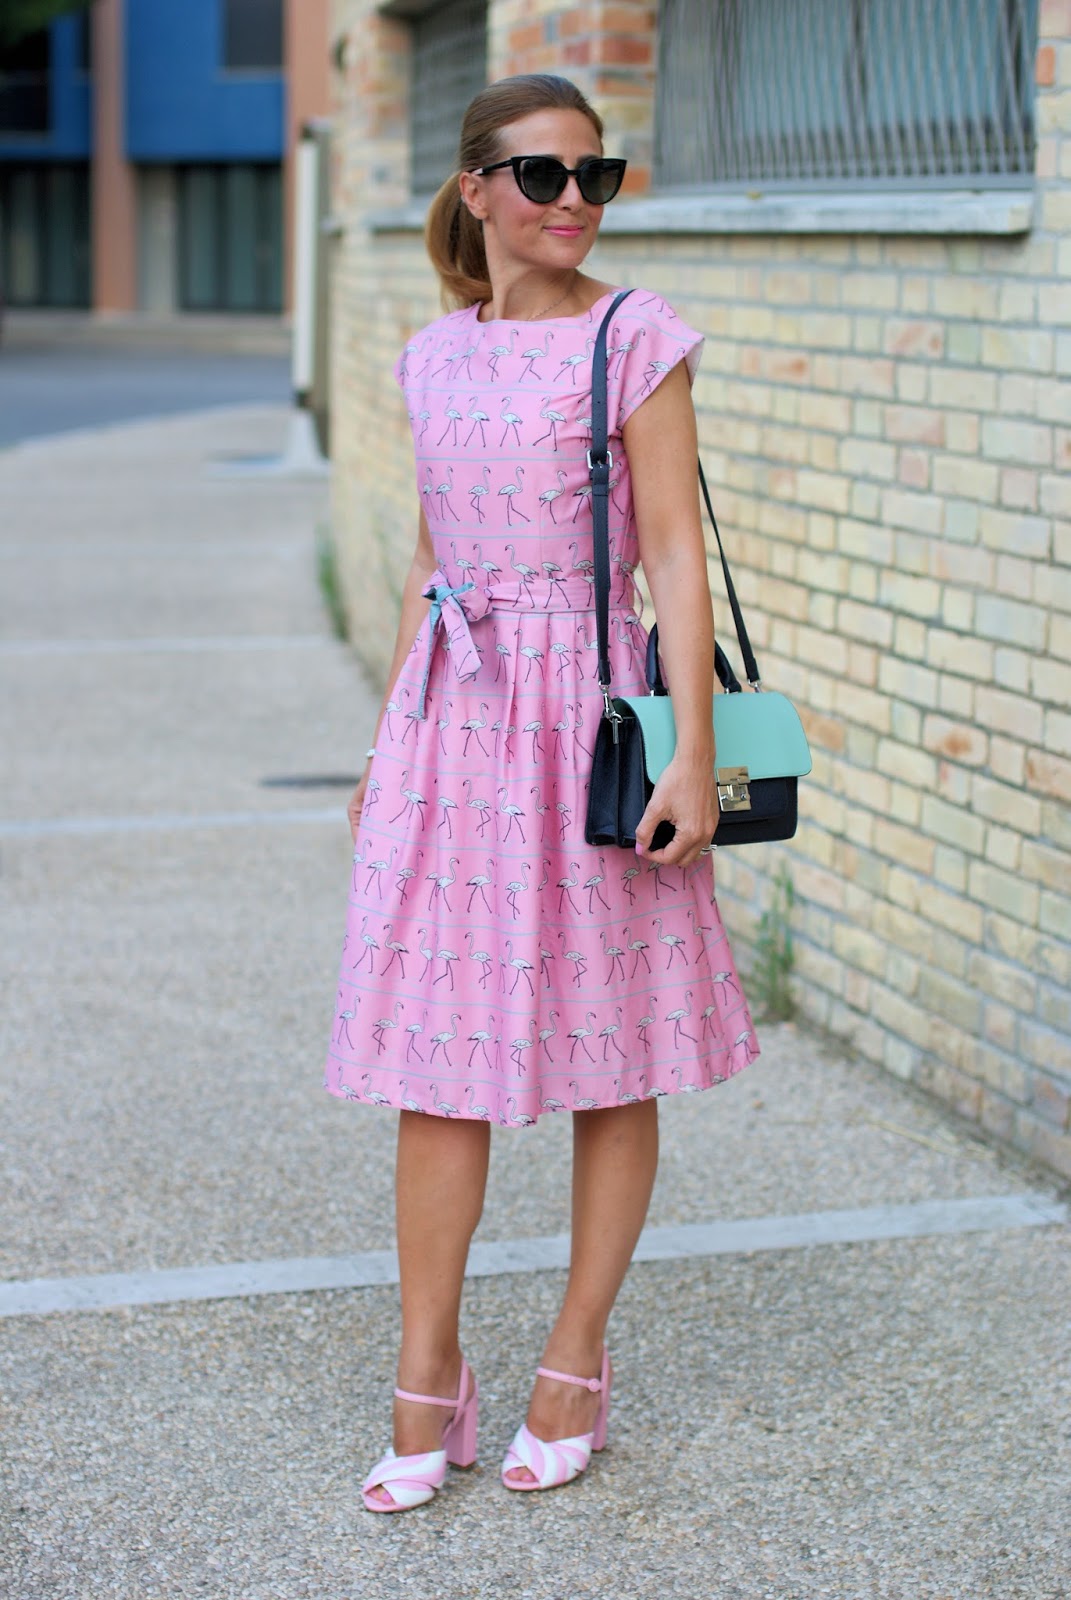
863	1417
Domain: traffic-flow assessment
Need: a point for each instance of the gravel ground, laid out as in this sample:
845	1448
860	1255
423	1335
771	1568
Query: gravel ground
886	1421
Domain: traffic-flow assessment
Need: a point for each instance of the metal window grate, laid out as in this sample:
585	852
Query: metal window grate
449	67
827	93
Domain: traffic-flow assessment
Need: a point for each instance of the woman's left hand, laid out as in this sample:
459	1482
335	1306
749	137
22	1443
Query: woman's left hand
684	795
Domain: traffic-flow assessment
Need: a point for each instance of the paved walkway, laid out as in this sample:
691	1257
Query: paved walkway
841	1360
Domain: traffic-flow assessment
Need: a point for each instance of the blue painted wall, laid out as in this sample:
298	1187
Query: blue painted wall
181	103
69	139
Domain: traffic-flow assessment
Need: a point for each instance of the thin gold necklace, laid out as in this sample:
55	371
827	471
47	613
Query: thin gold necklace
553	303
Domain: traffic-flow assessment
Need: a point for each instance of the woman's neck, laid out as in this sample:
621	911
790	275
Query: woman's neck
528	299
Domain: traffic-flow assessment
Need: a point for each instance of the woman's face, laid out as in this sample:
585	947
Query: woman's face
553	237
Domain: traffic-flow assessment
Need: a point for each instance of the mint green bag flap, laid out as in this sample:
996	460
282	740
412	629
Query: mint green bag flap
760	731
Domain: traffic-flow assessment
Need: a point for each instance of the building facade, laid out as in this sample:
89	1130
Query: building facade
145	153
867	209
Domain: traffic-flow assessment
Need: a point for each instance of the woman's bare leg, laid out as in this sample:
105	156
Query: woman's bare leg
440	1179
615	1158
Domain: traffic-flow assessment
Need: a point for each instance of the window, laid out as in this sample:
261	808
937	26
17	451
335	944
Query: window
44	234
253	35
812	94
24	85
449	66
230	238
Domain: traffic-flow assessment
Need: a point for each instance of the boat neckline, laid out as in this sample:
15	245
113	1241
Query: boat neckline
519	322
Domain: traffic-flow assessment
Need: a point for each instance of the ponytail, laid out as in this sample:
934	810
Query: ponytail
454	240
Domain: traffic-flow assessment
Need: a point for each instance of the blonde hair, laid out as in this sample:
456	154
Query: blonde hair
452	235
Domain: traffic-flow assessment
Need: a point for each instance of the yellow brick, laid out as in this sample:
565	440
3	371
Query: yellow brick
907	763
955	913
1004	892
866	622
922	513
1005	439
1019	349
968	391
870	290
1049	680
1009	714
1011	669
966	297
1003	848
1007	760
907	681
953	824
950	868
919	596
861	705
904	845
1049	775
965	477
909	639
954	741
954	1003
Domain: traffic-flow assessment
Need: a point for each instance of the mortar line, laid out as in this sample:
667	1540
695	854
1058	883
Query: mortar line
686	1241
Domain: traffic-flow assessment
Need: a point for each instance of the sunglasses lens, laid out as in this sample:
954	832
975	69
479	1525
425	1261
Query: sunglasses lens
599	181
542	179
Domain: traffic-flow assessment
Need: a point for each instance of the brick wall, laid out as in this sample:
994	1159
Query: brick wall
886	423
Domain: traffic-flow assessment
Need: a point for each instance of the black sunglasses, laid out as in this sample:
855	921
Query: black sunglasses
543	178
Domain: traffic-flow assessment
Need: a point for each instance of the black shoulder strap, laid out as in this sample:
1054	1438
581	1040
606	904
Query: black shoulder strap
747	655
599	464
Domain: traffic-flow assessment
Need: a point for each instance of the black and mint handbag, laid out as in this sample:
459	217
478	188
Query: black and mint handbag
760	747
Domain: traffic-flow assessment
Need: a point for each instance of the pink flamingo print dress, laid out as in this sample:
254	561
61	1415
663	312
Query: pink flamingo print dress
494	965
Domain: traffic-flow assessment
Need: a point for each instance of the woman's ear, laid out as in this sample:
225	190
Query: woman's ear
472	197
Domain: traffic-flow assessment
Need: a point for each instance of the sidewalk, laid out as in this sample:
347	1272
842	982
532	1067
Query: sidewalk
858	1390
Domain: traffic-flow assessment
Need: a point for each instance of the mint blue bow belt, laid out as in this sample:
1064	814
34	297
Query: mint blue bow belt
453	607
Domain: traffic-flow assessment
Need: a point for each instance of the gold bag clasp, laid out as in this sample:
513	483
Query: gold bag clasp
733	791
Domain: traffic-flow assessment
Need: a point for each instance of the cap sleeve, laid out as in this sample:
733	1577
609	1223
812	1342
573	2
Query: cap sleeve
646	340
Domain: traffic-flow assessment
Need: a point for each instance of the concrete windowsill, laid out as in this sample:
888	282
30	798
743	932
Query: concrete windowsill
942	211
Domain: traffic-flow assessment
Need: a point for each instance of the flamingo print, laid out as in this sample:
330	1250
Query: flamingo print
510	490
453	417
498	351
477	418
537	353
553	417
511	419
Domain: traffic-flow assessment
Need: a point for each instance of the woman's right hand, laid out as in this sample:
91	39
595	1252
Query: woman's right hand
353	810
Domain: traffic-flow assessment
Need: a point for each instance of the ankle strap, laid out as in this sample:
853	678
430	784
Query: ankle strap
594	1384
433	1399
424	1399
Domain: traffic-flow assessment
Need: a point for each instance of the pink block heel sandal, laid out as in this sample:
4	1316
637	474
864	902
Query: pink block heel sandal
413	1480
557	1461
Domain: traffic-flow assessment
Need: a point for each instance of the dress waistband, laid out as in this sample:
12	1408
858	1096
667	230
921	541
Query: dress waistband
455	606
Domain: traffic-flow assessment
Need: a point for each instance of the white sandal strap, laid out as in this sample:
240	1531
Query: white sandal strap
409	1480
551	1462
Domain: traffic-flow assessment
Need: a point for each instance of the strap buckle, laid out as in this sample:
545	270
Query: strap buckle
608	460
610	711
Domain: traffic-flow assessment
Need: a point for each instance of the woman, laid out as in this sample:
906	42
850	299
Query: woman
495	966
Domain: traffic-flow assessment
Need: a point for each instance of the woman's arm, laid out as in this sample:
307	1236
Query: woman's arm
660	441
414	610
